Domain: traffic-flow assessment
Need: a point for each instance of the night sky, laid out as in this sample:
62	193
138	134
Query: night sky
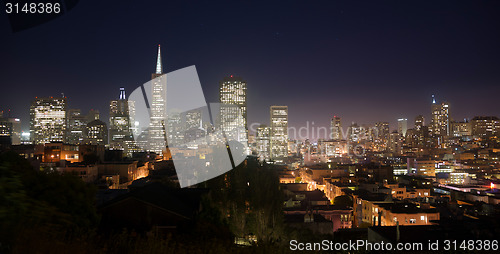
365	61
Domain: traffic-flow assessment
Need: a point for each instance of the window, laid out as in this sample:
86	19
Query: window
413	221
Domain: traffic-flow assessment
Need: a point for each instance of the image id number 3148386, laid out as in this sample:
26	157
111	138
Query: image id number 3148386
32	8
471	245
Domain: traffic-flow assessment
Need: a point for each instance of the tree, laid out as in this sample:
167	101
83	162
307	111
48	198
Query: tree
31	200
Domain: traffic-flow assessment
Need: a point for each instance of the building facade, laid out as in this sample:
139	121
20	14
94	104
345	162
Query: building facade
233	111
96	133
485	126
75	126
440	122
120	133
263	142
336	128
279	132
157	129
48	120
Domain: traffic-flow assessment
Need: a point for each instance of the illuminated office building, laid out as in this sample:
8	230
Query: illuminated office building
279	132
440	122
10	128
420	136
356	133
233	99
119	122
75	126
383	130
419	122
461	129
175	129
193	119
394	143
336	128
157	125
195	130
485	126
402	126
48	120
263	142
134	125
96	133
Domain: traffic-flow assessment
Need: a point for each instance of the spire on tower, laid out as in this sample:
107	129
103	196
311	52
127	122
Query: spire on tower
433	99
122	93
159	68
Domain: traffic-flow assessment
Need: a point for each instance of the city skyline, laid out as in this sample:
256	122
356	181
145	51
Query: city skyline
394	124
339	59
239	126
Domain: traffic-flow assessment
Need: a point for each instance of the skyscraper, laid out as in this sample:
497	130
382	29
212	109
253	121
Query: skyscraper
233	99
383	130
10	128
421	135
440	122
394	143
381	135
119	122
485	126
336	128
419	122
157	132
75	126
48	120
263	142
96	133
402	126
279	132
461	129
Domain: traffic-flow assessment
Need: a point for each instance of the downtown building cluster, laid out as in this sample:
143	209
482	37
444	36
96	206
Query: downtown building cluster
60	136
357	176
440	176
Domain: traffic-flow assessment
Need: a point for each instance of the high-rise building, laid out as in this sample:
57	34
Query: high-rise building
356	133
263	142
134	125
157	125
10	128
419	122
48	120
119	122
383	130
402	126
394	143
336	128
96	133
194	127
233	115
279	132
440	122
420	137
461	129
175	129
485	126
193	119
75	126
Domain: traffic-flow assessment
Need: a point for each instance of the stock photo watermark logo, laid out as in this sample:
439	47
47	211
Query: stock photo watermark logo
334	141
204	140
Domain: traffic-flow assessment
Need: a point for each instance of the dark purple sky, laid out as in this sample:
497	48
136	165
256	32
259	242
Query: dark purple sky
365	61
